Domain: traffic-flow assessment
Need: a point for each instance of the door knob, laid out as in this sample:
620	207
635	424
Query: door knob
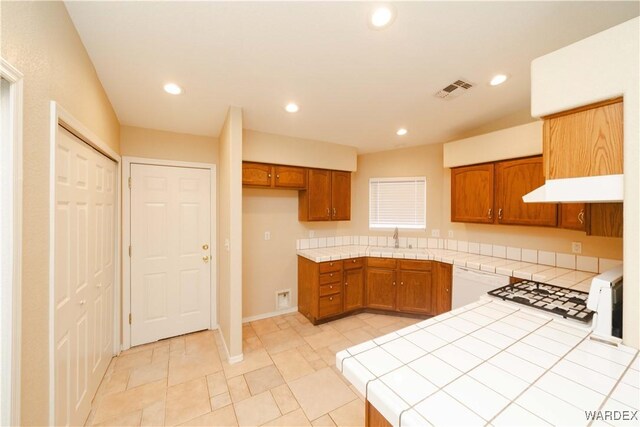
205	258
205	246
82	302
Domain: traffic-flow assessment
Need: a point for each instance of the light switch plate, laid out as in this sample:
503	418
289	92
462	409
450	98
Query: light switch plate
267	235
450	234
312	234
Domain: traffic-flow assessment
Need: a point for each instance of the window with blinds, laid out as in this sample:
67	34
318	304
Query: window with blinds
398	202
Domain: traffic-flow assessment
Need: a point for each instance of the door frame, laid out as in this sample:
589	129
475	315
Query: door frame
126	238
10	411
61	117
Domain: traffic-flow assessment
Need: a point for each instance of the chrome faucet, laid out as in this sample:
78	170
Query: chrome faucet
395	237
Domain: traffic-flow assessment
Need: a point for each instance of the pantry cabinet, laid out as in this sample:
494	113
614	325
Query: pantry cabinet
472	193
273	176
514	179
327	196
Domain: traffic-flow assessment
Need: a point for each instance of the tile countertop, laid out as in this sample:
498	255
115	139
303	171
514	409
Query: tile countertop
580	280
492	363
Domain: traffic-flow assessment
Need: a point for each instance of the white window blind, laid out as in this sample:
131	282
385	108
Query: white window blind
398	202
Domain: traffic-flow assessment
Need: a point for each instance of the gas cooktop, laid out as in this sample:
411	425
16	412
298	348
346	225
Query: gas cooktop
568	303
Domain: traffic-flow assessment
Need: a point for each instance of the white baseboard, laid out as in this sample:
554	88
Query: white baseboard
270	314
234	359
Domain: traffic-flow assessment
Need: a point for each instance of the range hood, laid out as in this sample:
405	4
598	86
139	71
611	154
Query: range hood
589	189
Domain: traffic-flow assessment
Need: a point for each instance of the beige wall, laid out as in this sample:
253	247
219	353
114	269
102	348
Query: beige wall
39	39
286	150
230	232
157	144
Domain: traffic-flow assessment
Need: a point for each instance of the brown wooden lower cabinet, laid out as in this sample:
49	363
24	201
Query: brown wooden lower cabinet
330	289
373	418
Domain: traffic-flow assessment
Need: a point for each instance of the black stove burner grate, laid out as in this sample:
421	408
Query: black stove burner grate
568	303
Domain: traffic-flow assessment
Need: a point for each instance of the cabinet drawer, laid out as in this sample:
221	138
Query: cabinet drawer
326	267
331	277
415	265
350	264
330	289
382	262
330	305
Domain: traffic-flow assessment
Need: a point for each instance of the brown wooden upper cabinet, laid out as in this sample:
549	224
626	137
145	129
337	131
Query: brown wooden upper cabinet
472	194
572	216
514	179
273	176
585	141
327	197
492	193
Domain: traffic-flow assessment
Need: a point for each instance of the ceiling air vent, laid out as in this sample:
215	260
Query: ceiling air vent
454	90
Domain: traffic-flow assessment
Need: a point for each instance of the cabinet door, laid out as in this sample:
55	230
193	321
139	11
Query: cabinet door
290	177
604	219
340	196
318	195
584	142
414	292
472	194
381	289
256	174
441	284
572	216
514	179
353	289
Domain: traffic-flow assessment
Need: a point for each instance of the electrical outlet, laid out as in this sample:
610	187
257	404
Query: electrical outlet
576	247
435	233
267	235
450	234
312	234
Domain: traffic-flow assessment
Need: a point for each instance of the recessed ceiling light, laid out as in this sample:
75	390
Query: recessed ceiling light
498	79
381	16
292	107
401	131
173	89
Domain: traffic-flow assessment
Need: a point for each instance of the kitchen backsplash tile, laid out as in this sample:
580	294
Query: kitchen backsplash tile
514	253
566	261
587	263
530	255
499	251
486	249
547	258
552	259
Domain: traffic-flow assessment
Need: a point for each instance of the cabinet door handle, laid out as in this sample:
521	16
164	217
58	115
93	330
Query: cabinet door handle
581	216
330	298
334	211
330	286
330	274
500	214
277	176
394	283
345	283
490	213
328	212
269	175
354	261
401	283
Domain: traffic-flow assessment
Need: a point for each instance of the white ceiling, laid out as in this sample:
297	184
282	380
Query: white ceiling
354	85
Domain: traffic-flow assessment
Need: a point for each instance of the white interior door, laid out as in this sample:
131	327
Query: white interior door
84	274
170	251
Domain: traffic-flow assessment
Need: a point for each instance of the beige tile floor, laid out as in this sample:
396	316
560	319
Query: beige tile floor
287	378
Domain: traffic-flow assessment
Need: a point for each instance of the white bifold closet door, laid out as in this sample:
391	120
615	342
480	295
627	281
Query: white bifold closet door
84	274
170	251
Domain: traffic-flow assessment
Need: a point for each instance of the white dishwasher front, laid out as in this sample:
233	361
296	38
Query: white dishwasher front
469	285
